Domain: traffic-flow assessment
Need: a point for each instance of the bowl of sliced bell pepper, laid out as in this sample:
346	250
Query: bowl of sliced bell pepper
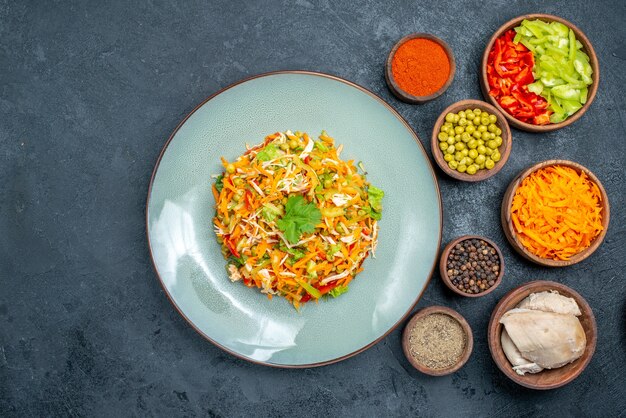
540	71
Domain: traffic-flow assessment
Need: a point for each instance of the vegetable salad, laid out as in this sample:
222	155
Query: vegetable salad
293	219
539	73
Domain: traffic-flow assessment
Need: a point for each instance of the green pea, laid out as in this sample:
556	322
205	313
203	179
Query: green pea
462	122
471	170
230	168
489	164
450	140
469	161
484	121
461	115
485	136
496	156
470	129
448	157
481	149
477	111
463	161
459	146
453	164
473	153
498	140
293	144
482	128
457	137
458	156
493	118
461	168
459	130
284	146
492	127
492	144
328	183
481	142
481	166
443	145
477	134
442	136
450	117
477	121
456	119
472	144
480	159
488	151
238	181
465	137
498	131
465	152
492	135
450	149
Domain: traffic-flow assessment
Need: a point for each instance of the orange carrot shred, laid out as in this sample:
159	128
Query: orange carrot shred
556	212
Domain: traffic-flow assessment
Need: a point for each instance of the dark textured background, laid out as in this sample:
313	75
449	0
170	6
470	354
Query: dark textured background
89	93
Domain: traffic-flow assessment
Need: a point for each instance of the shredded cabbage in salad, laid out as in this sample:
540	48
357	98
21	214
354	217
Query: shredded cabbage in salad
294	219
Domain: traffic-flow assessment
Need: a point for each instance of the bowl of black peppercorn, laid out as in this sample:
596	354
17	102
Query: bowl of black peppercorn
471	266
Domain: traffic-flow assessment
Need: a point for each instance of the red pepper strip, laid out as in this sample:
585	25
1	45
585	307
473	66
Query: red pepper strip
509	71
327	288
542	119
305	298
231	247
248	199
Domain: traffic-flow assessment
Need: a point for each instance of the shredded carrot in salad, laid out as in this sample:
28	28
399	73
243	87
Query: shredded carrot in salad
556	212
293	219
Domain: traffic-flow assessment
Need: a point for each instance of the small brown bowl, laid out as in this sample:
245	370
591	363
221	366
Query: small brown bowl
443	271
509	230
587	48
505	148
403	95
546	379
469	342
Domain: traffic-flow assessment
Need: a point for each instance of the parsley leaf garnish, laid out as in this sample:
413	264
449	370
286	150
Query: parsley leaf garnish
300	217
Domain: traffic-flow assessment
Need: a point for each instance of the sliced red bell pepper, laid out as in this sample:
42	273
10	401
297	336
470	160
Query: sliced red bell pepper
509	71
231	247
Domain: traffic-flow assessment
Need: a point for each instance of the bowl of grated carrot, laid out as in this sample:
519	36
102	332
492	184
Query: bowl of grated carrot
555	213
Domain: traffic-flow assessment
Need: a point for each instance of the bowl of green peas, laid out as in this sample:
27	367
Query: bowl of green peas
471	140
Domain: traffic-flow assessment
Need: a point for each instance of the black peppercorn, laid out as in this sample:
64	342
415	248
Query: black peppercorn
473	266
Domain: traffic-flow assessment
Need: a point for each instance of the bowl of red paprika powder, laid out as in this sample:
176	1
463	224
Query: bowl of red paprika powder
420	67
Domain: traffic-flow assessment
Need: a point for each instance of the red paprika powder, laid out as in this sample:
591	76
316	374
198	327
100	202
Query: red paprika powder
420	67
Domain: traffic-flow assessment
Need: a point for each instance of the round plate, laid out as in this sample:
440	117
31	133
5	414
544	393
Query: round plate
187	257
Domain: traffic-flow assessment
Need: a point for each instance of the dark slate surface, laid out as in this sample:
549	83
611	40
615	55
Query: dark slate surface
89	92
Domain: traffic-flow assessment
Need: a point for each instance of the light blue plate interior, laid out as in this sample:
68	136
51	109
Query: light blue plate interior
187	256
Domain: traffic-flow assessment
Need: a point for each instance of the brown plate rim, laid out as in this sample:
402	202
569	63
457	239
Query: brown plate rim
405	96
580	35
511	235
415	138
444	274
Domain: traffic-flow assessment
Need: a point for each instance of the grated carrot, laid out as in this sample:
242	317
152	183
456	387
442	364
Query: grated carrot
556	212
